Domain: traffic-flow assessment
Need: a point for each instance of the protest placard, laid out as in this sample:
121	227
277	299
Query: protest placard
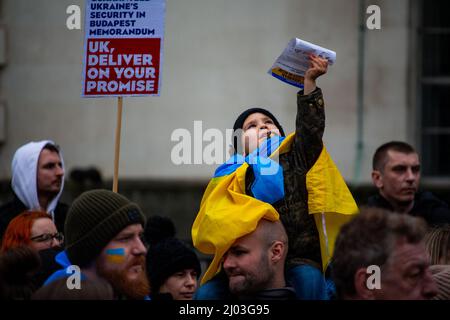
123	45
123	48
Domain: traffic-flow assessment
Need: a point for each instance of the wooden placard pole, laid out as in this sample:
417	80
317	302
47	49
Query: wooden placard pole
117	145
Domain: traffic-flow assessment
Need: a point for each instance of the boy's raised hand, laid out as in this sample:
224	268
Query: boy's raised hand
317	68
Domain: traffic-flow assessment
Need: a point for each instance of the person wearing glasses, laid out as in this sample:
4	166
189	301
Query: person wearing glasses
34	229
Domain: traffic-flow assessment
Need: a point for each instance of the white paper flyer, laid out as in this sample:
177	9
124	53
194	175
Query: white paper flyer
291	65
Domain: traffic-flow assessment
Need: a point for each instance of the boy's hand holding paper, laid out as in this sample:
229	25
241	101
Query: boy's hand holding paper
318	67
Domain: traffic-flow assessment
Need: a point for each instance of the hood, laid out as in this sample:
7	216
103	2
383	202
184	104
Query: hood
24	175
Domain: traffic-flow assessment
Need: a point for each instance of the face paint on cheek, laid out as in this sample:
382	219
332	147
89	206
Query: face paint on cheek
116	255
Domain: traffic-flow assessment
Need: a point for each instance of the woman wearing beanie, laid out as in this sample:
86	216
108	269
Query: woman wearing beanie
172	268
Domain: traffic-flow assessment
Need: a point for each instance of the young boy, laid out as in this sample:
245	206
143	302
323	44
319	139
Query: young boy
254	127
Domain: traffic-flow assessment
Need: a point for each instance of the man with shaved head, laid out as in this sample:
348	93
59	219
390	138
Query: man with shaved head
396	174
254	264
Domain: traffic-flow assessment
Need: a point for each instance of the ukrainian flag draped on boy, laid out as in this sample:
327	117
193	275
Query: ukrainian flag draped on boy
228	213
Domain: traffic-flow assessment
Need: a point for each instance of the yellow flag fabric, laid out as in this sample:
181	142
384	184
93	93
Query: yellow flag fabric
227	213
330	201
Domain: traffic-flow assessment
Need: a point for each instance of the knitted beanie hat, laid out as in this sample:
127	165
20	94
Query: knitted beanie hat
239	123
166	255
167	258
93	220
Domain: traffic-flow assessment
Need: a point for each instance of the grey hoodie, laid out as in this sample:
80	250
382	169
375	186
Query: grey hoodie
24	175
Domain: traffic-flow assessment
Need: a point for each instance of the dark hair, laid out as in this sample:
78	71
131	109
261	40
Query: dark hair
51	147
369	239
379	157
17	269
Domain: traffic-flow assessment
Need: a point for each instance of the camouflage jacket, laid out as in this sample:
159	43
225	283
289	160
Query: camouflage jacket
304	245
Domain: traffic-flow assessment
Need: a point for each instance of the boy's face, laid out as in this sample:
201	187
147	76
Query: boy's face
256	128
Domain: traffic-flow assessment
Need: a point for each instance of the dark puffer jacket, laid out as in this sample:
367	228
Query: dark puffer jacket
304	245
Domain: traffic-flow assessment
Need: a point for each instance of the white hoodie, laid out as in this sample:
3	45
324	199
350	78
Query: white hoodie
24	176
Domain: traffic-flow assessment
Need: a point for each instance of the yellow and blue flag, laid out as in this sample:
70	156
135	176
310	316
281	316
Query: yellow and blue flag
228	213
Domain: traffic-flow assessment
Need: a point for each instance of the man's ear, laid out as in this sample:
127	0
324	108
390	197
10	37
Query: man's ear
377	179
362	290
277	251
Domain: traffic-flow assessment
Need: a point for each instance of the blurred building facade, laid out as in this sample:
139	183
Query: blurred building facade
387	84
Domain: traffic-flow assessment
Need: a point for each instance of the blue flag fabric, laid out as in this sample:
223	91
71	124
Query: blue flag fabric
268	185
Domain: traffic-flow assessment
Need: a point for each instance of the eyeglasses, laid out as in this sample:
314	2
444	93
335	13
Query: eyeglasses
46	237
